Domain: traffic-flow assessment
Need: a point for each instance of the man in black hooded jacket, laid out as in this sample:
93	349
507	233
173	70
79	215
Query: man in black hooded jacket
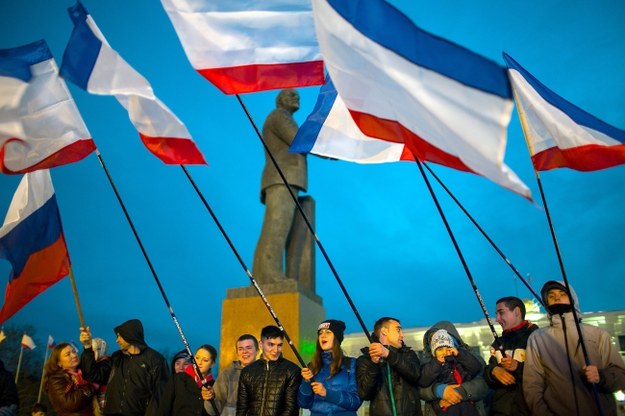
134	376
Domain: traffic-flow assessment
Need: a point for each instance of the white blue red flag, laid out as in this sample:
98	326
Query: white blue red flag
90	63
560	134
249	46
32	240
51	342
401	84
330	131
40	126
28	343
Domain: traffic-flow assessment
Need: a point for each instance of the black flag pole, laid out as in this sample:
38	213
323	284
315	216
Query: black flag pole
156	278
481	230
460	255
245	268
307	221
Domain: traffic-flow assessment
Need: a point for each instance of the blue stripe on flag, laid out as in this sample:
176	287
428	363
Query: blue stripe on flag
82	50
307	134
16	62
387	26
578	115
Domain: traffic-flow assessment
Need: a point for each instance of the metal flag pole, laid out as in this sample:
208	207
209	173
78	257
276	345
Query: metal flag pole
156	278
306	220
460	256
481	230
245	268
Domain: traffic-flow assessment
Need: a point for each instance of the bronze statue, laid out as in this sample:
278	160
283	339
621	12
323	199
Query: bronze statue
278	133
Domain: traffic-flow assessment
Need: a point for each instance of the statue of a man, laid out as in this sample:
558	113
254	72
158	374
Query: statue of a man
278	133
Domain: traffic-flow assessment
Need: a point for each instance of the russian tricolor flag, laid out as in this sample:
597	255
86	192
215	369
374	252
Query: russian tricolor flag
40	126
90	63
32	240
558	133
330	131
249	46
447	104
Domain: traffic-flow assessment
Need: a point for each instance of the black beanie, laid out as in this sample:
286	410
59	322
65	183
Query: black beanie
337	327
551	284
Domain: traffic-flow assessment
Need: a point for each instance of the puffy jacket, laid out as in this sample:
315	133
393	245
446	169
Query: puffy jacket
474	390
372	380
341	392
69	398
269	388
508	400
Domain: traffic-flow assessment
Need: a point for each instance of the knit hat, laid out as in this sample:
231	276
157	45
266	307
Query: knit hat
441	338
337	327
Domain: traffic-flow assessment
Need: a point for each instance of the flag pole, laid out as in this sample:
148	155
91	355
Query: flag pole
81	317
43	373
460	256
19	363
481	230
525	129
306	220
155	276
245	268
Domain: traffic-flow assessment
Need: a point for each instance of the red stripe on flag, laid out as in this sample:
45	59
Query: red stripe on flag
52	263
262	77
583	158
393	131
74	152
174	151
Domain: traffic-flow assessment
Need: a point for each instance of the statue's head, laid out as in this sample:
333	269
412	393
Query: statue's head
288	99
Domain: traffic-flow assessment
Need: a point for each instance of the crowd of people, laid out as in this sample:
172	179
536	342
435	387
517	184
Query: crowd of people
531	371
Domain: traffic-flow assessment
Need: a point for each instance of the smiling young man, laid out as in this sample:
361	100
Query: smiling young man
504	374
227	385
269	385
556	379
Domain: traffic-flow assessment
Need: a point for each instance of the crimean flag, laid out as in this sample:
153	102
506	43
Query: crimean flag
51	342
330	131
558	133
28	343
249	46
40	126
32	240
90	63
447	104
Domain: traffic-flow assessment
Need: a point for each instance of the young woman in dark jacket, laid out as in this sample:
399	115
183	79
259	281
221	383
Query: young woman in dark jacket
185	393
69	393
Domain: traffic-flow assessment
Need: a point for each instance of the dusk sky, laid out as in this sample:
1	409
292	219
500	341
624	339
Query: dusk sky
378	223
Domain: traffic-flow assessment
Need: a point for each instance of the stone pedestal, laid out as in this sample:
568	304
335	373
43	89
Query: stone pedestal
297	307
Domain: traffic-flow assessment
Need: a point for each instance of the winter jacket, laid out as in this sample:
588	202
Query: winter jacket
547	380
341	392
373	384
454	370
70	397
134	382
269	388
9	399
182	395
227	388
509	400
474	390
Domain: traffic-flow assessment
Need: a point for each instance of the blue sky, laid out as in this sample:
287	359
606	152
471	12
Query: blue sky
377	223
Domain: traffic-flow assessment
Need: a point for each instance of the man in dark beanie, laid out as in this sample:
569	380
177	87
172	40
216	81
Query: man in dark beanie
135	375
556	378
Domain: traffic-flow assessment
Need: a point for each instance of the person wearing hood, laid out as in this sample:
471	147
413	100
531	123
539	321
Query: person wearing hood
135	375
180	362
387	372
329	386
556	379
474	390
504	372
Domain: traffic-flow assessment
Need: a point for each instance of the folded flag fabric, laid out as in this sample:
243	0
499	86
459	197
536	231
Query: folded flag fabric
330	131
558	133
90	63
249	46
28	343
447	104
40	126
32	240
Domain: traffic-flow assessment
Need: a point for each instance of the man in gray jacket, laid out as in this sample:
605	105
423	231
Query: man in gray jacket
556	379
